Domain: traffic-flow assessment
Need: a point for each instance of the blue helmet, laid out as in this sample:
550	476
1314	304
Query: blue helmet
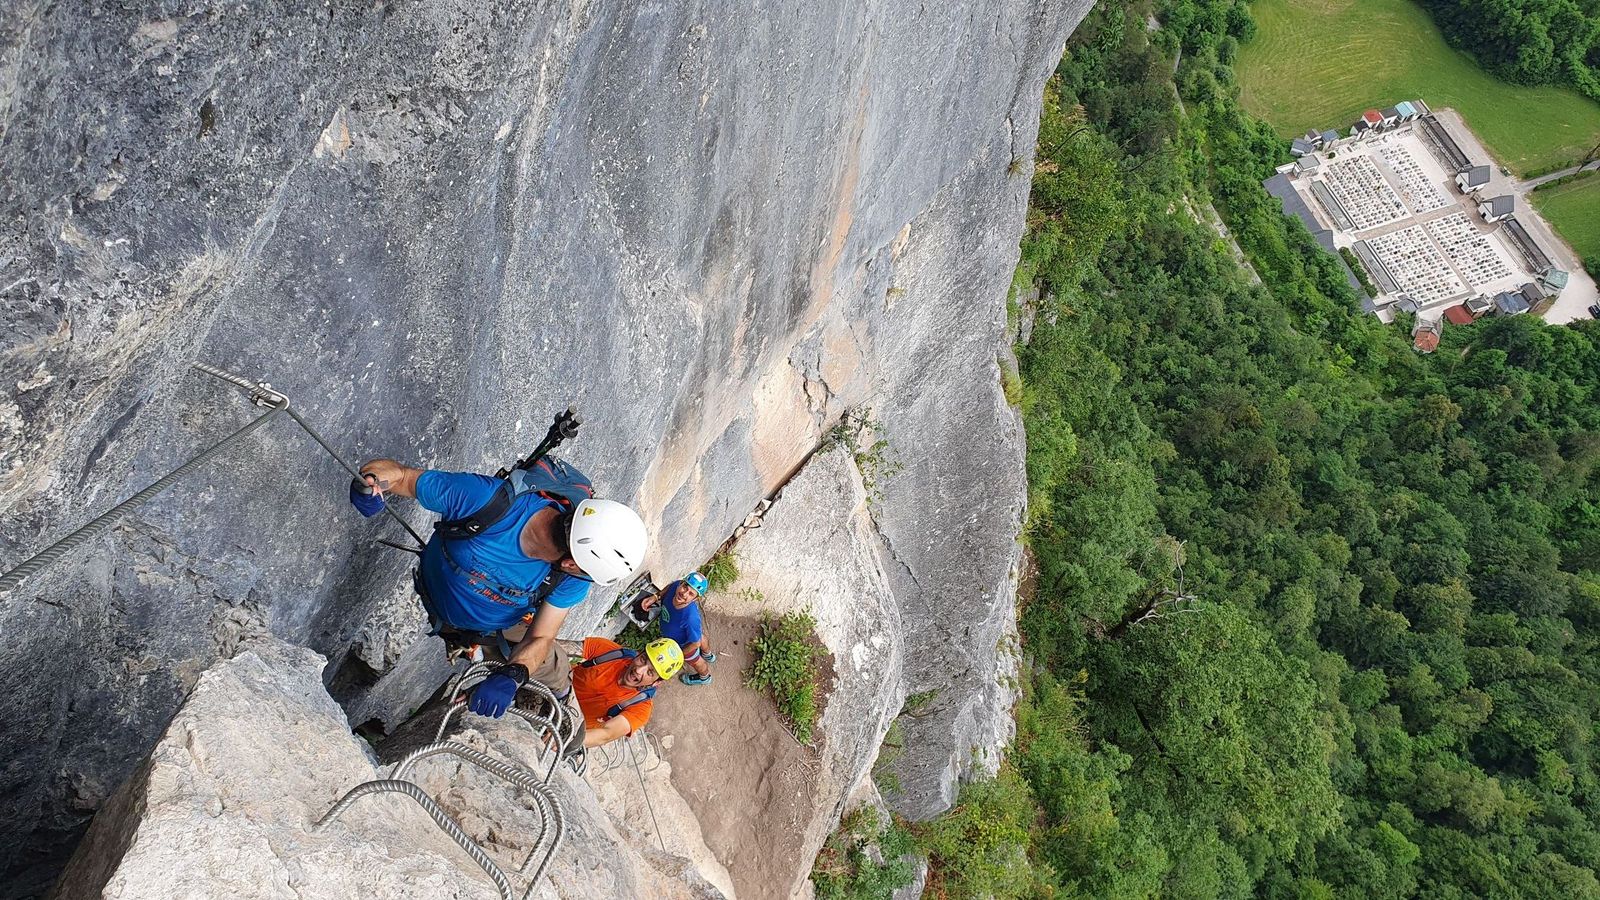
696	581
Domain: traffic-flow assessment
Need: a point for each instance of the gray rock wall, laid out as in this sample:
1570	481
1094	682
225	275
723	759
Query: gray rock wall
225	806
818	551
712	227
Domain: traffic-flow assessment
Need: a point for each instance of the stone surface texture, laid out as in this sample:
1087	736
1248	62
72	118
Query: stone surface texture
818	551
632	780
224	806
433	225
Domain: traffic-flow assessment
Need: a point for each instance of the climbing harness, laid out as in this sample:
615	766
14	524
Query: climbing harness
259	393
560	729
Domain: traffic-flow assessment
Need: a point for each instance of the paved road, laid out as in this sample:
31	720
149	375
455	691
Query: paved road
1523	187
1581	292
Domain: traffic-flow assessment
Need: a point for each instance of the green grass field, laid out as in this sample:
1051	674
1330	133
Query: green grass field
1574	210
1319	63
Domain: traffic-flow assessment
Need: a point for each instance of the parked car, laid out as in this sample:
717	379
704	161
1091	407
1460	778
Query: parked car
1594	311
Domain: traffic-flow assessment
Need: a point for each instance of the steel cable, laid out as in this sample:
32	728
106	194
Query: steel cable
440	818
257	392
261	394
53	553
646	794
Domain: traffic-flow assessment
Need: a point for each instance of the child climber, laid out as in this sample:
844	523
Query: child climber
680	620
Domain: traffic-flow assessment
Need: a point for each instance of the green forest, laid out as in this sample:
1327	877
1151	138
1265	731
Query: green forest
1527	41
1314	615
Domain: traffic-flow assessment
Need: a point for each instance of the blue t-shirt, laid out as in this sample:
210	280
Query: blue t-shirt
483	583
682	625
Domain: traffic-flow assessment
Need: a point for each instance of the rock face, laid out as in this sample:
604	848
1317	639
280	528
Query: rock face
225	804
818	551
432	225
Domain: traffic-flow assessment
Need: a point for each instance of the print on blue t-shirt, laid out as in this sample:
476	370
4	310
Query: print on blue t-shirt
682	625
484	583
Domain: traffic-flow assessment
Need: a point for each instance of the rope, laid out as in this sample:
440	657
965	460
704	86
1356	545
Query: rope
261	394
646	794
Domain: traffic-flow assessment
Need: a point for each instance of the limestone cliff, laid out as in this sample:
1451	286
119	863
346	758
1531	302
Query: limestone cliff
714	227
226	806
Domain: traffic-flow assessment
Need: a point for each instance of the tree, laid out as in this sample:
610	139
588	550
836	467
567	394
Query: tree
1221	726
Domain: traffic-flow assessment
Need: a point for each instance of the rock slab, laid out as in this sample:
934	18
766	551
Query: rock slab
816	551
224	807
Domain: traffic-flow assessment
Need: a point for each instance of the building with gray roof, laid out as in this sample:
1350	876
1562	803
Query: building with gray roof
1443	145
1473	179
1510	303
1537	261
1496	208
1331	206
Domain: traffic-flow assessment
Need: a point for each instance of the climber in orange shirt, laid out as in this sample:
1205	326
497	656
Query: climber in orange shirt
614	686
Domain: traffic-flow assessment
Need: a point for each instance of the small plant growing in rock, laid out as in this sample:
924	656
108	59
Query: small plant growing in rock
917	704
721	570
786	668
866	859
861	434
893	747
1010	383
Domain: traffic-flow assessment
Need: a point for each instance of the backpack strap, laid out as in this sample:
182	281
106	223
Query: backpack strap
616	709
492	511
495	509
609	656
552	580
549	477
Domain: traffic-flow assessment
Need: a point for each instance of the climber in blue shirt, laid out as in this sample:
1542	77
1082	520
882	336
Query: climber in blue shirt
680	620
485	584
525	568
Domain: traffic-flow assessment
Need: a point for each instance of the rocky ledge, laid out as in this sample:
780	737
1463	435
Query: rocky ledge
226	802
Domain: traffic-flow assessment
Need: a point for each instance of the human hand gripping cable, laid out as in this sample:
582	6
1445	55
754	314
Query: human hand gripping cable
493	697
366	495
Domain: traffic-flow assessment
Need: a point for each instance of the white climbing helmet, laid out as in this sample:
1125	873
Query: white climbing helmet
607	540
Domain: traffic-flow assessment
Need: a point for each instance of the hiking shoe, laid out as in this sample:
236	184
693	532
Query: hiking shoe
709	657
686	678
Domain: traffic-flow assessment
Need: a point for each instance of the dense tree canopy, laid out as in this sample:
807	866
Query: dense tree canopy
1528	41
1315	614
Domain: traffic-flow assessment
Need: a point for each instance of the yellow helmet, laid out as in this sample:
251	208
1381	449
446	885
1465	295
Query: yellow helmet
666	657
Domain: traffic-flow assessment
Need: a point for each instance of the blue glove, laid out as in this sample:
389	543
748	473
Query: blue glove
493	696
364	498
